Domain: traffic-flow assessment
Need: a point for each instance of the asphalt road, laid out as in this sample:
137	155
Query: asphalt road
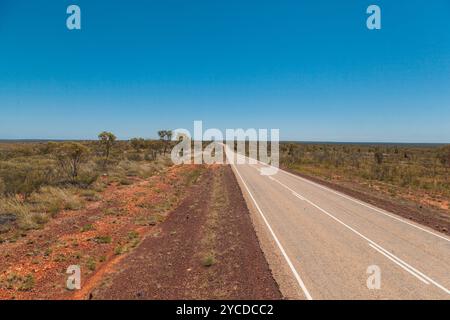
332	245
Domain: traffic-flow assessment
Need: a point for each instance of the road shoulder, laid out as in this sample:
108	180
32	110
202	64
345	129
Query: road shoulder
206	249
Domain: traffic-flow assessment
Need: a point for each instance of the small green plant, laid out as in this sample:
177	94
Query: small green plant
119	250
60	258
125	182
40	218
90	195
48	252
87	227
91	264
27	283
133	235
113	212
18	282
153	220
208	260
77	255
103	239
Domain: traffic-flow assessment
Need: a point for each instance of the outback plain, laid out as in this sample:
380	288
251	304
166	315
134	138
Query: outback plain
140	227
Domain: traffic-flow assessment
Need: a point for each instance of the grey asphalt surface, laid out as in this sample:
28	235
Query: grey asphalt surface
327	241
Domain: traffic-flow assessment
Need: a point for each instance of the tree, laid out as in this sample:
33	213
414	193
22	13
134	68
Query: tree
161	134
444	159
2	186
378	157
159	146
169	135
70	155
107	139
138	143
165	136
444	156
153	148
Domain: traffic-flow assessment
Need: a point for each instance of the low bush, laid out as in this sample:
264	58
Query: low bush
2	186
26	177
17	282
20	209
208	260
52	200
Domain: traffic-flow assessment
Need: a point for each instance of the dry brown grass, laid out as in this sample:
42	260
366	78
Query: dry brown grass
34	187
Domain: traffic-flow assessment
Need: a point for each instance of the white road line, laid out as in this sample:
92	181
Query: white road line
286	257
293	192
398	263
361	203
367	239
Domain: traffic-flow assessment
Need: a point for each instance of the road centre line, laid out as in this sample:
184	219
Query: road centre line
359	202
369	240
399	264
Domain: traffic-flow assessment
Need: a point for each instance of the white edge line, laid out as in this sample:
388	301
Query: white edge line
415	270
399	264
359	202
288	260
369	240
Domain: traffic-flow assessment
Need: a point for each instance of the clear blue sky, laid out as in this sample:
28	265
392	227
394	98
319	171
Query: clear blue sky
310	68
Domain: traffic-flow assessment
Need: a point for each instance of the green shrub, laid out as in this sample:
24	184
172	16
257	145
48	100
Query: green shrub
27	283
2	186
126	182
21	210
70	156
91	264
90	195
134	157
18	282
87	178
103	239
87	227
53	200
208	260
119	250
26	177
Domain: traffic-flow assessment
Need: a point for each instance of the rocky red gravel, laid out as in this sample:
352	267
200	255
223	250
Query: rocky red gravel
205	249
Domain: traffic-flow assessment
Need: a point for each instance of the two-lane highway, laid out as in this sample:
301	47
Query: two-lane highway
329	241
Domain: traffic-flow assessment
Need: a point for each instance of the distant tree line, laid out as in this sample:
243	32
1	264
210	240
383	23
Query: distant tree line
24	167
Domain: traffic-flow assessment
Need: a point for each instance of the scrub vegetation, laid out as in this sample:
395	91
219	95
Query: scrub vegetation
40	179
415	172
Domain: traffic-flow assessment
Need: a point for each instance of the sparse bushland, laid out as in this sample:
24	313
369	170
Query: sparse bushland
40	179
416	172
95	237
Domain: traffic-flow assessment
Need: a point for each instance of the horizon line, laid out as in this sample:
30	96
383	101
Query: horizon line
281	141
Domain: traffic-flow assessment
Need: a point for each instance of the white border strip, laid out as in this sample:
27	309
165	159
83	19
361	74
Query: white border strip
288	260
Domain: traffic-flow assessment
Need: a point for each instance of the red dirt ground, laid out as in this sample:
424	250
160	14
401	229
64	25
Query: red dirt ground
213	221
125	214
183	234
